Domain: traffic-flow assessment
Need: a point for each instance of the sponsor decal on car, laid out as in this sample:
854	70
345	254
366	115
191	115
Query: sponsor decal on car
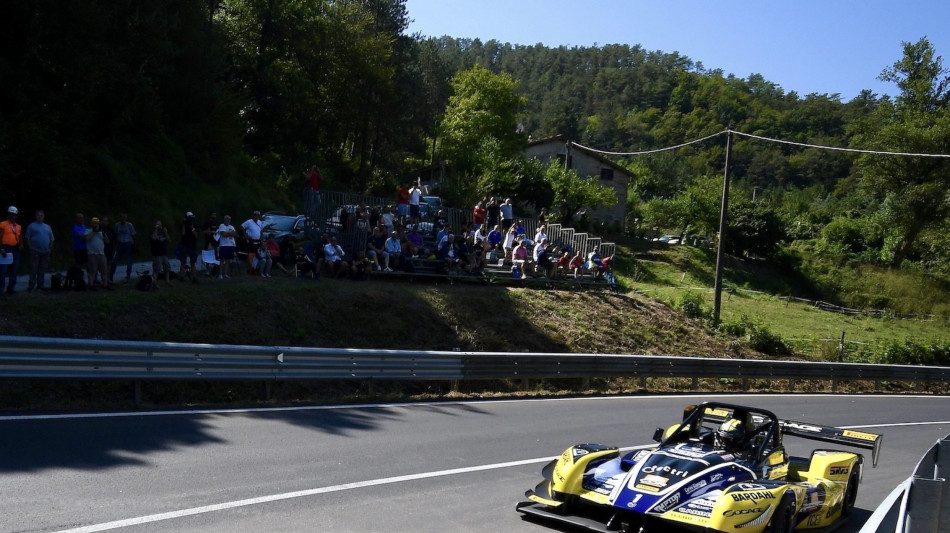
701	504
664	469
640	455
750	486
667	504
694	512
838	470
753	497
740	512
654	480
860	435
803	427
695	486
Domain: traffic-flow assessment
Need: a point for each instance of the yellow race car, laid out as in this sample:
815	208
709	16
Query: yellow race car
723	468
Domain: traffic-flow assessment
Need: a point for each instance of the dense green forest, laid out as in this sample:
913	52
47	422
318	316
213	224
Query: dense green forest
163	106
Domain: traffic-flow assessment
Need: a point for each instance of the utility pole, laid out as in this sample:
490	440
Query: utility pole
717	288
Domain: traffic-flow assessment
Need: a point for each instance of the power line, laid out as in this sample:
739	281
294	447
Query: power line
650	151
761	138
853	150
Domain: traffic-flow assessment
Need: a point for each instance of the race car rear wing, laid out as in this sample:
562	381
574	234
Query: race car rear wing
847	437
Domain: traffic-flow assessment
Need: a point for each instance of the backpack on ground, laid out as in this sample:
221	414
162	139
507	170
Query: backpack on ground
75	279
57	282
145	282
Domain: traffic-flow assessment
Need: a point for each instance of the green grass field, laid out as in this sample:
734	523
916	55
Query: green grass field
760	293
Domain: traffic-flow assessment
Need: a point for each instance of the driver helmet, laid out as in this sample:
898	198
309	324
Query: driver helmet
731	434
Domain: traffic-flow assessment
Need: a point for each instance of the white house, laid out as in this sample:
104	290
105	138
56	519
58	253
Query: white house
589	165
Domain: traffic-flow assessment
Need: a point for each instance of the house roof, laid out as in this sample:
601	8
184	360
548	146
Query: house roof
559	139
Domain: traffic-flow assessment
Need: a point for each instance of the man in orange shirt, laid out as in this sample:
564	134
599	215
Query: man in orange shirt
11	238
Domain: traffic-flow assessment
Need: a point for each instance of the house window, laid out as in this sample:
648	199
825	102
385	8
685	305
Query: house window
607	174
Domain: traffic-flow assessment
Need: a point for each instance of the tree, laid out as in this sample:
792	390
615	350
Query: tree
572	193
480	124
914	190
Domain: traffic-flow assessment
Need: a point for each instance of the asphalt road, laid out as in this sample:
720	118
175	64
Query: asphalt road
420	468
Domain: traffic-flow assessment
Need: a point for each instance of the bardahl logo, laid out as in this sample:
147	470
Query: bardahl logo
753	497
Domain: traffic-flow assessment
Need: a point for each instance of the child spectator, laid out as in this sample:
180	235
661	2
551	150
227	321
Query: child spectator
576	264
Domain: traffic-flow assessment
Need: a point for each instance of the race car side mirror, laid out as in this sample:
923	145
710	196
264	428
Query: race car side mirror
658	434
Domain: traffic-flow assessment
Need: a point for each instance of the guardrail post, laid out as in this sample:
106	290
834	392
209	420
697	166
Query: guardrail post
137	392
695	384
924	505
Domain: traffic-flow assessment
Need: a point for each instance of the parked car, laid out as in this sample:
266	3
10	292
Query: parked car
668	239
282	224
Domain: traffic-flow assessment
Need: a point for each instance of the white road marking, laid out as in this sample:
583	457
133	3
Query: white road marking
310	492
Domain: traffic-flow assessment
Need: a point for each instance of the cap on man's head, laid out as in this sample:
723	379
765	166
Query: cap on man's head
189	214
12	210
95	220
256	213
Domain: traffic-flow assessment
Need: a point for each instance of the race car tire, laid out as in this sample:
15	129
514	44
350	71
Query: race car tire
850	494
783	519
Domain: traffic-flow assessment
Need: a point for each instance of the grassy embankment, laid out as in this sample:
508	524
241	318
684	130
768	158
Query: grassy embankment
396	314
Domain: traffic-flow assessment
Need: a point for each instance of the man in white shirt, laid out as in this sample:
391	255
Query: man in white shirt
227	246
541	234
415	196
252	231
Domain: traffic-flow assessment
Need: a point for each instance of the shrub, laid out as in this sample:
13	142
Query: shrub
691	304
911	353
760	337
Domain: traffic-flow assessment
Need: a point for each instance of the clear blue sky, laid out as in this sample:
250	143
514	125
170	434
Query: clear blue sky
807	46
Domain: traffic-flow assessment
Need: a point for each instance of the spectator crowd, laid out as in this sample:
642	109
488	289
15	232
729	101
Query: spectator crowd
382	239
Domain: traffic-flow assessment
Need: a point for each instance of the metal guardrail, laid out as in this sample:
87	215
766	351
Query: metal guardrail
921	503
37	357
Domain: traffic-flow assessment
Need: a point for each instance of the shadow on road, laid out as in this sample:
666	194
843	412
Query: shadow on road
94	443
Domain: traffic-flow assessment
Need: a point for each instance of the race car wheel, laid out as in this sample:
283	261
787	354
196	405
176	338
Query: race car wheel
783	519
850	494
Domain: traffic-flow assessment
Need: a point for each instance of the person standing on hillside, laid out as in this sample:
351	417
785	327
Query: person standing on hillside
125	241
478	216
109	232
507	214
39	238
494	210
313	178
252	234
402	203
226	246
415	196
96	264
80	257
11	242
159	248
189	248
